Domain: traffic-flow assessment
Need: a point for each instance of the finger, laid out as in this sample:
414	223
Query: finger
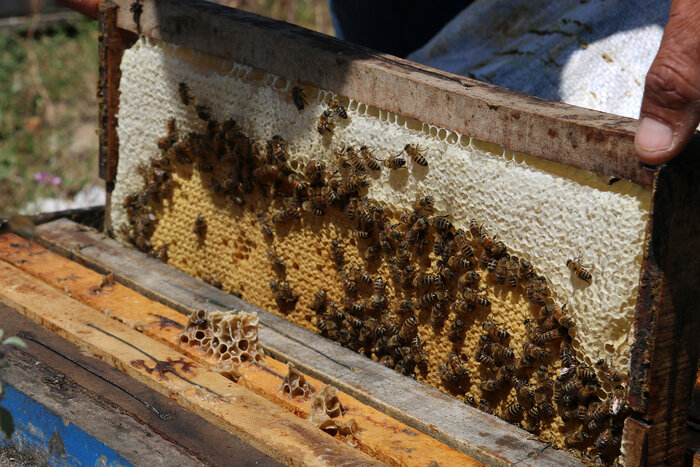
86	7
671	105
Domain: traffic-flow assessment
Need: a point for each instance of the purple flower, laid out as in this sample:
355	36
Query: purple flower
46	178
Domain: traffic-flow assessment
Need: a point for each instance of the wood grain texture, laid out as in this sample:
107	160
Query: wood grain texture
665	352
582	138
381	436
481	436
204	440
243	413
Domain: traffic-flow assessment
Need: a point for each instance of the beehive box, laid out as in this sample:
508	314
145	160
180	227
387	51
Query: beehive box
217	157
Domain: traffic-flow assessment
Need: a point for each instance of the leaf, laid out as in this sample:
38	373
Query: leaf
7	425
16	341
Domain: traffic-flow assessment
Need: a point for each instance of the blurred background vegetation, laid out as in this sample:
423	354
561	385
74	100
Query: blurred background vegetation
48	108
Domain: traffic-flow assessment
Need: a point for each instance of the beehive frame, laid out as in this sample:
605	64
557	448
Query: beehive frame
664	356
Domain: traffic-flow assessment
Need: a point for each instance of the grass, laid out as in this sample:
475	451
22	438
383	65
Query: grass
48	111
48	108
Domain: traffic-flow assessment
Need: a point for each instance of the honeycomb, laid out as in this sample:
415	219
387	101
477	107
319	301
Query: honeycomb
325	408
295	384
230	337
499	343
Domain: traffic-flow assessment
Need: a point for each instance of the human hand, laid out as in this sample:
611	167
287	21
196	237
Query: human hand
671	105
86	7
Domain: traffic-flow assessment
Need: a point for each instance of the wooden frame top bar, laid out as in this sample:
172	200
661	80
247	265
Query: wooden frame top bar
583	138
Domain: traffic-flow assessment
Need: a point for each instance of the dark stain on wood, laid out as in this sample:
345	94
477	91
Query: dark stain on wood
164	366
164	322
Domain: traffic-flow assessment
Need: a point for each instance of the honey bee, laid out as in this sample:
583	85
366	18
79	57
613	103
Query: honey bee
467	279
456	365
284	294
475	229
441	223
535	352
338	108
424	280
501	353
456	330
320	300
200	226
500	271
394	162
562	318
355	161
547	337
283	214
415	155
522	389
298	97
349	286
275	259
485	360
471	400
337	254
587	392
203	112
438	313
576	438
604	440
372	251
427	300
408	327
324	126
505	374
513	411
473	297
610	373
423	205
314	170
484	406
586	373
579	269
513	271
368	159
494	332
184	91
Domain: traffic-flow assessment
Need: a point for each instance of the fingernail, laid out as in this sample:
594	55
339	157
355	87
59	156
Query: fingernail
653	136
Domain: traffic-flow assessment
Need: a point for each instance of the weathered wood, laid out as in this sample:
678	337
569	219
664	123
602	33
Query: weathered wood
209	443
665	351
385	438
583	138
248	416
636	441
484	437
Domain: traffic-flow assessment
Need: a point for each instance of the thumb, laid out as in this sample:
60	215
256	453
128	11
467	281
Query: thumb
86	7
671	105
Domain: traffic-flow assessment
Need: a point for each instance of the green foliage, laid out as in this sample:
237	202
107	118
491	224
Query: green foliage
47	99
7	425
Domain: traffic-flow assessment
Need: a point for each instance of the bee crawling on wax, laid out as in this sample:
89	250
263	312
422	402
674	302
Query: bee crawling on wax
414	152
200	226
338	108
298	97
324	125
184	90
579	269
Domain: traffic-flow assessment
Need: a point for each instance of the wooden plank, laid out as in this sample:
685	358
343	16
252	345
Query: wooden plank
583	138
252	418
664	359
207	442
484	437
635	438
385	438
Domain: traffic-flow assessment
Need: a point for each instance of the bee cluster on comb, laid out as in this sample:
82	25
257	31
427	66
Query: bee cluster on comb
407	281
